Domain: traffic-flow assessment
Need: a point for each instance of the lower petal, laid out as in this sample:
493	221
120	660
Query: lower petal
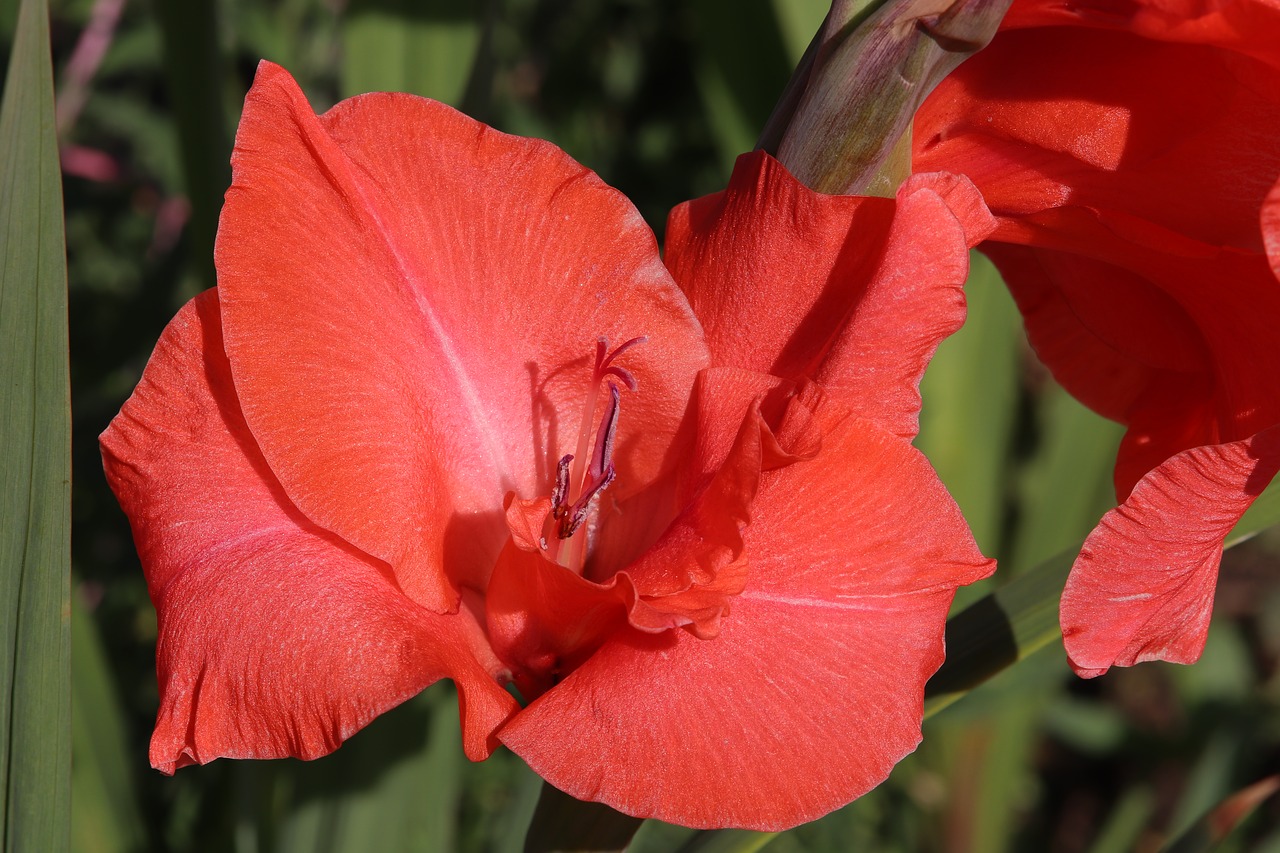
776	721
285	644
1142	587
813	688
1106	333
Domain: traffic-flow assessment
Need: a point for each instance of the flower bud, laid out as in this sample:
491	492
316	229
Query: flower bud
843	124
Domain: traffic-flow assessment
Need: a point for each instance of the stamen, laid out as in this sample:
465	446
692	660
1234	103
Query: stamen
575	487
578	512
561	492
603	453
601	473
602	357
623	374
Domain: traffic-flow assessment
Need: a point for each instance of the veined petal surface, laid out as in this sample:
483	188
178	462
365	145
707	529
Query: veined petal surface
1177	134
1248	27
1142	587
800	284
1168	335
276	637
411	302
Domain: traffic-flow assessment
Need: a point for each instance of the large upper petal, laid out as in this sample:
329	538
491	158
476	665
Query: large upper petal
857	292
1142	587
1127	149
1249	27
276	637
813	688
411	302
1086	108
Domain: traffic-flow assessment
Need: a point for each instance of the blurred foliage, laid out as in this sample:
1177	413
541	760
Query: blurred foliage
657	97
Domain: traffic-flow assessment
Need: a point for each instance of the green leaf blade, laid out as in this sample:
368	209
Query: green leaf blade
105	814
426	49
35	465
971	404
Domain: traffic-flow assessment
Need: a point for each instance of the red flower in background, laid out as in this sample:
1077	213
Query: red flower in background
1126	149
394	446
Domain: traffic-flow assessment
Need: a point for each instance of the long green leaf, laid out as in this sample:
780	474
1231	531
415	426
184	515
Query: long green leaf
1218	824
743	67
401	46
1067	485
729	841
798	20
561	823
35	459
105	817
971	404
395	786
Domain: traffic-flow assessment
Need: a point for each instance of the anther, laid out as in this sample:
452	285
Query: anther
561	492
578	512
603	453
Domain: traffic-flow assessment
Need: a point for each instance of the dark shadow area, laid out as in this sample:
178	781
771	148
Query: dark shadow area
562	824
980	643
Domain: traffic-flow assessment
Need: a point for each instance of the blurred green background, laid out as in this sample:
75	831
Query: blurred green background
658	97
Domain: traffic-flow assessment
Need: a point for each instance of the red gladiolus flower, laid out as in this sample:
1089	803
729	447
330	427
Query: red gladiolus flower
1127	149
447	415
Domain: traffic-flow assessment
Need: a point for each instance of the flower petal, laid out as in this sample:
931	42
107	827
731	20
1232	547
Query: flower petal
1107	334
1142	587
799	284
914	301
276	638
1250	27
1174	134
1134	181
814	687
689	576
543	619
411	302
1172	337
756	258
1126	147
1271	228
693	572
722	399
